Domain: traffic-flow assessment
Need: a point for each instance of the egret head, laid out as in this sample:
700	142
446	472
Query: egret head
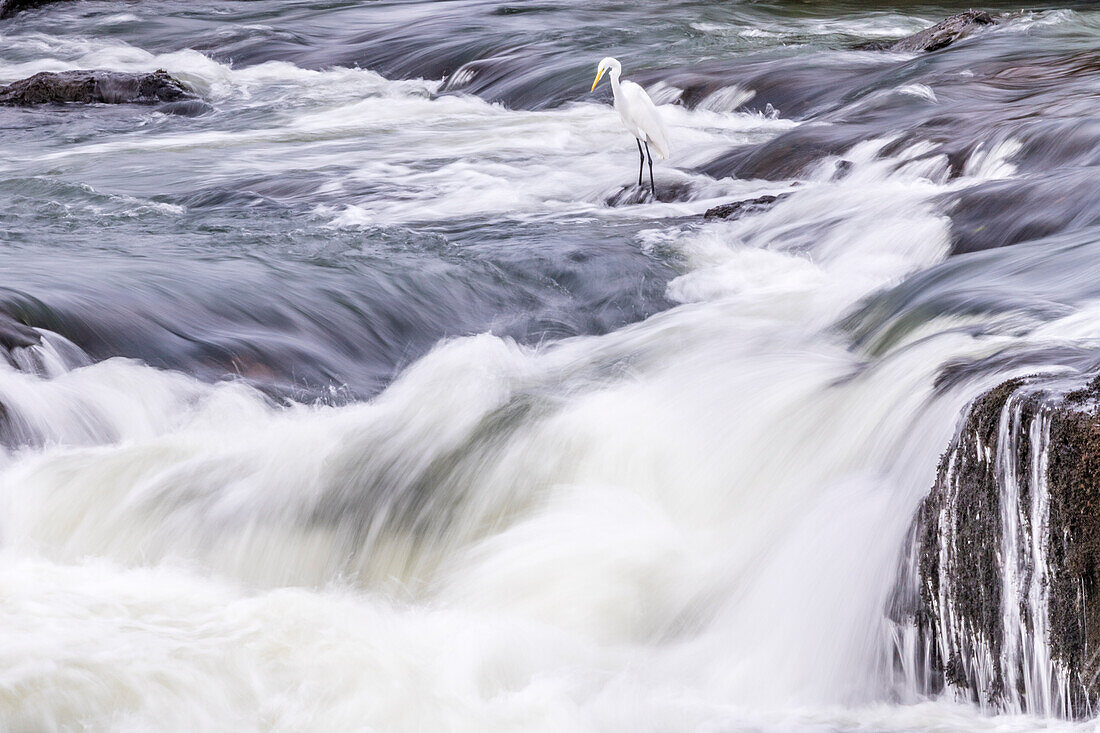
605	64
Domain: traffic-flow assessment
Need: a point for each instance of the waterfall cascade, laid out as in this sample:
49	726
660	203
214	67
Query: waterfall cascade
997	597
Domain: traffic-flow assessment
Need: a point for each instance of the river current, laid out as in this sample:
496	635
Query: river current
374	396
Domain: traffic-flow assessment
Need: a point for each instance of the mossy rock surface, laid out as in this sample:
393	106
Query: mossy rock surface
959	531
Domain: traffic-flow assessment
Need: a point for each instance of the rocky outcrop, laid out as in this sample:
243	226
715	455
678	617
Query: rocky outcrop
737	209
1001	585
941	35
95	87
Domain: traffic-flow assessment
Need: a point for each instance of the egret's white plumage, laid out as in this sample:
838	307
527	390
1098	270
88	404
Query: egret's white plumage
639	114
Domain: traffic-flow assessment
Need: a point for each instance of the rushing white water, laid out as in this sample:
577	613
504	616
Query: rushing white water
1011	668
357	128
691	523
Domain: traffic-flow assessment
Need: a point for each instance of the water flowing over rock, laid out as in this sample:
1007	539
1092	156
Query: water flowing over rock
1000	593
784	156
14	335
941	35
9	8
95	87
1024	210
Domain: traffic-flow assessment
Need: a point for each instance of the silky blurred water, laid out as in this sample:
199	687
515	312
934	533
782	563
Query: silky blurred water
374	396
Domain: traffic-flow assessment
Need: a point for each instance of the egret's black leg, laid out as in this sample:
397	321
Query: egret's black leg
652	185
641	162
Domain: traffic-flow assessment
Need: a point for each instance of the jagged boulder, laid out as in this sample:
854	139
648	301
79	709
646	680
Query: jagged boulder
943	34
737	209
1002	578
95	87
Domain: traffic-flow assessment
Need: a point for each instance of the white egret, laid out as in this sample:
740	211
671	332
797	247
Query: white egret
638	113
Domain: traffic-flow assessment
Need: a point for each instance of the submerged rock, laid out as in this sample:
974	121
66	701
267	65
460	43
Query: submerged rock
1006	212
15	335
1002	580
737	209
9	8
941	35
787	155
95	87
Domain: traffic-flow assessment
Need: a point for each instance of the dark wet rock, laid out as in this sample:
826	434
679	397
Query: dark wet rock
1050	144
797	152
666	193
941	35
9	8
785	156
1074	473
1077	357
17	342
738	209
843	168
788	87
95	87
1007	546
1003	213
15	335
185	108
974	568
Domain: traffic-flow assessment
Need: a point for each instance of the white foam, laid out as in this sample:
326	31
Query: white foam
430	157
685	524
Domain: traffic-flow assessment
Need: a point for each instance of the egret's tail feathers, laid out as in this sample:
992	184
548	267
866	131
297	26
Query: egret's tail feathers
659	143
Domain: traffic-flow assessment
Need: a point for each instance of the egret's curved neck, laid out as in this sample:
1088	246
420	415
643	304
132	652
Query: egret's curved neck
614	74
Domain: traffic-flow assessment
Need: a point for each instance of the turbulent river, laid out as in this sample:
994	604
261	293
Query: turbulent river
374	396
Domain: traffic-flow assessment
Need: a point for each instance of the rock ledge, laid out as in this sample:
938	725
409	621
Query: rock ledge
1001	581
95	87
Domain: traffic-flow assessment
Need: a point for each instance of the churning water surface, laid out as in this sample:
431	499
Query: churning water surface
372	397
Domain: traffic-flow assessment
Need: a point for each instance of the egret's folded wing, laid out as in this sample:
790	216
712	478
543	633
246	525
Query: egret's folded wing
644	116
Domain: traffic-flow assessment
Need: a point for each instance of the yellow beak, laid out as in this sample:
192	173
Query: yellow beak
599	75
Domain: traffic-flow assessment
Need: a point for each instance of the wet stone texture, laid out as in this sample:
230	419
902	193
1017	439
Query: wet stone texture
94	87
1074	579
737	209
1025	465
941	35
966	482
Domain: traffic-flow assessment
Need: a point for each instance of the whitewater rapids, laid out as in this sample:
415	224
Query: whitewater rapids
681	513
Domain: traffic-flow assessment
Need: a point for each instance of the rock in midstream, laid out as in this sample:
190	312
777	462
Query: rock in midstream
737	209
15	335
95	87
1002	578
667	192
9	8
943	34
